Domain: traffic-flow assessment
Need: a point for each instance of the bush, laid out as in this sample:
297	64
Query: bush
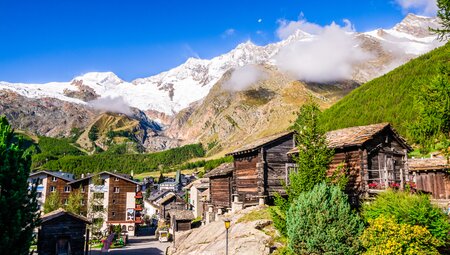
386	236
321	222
409	209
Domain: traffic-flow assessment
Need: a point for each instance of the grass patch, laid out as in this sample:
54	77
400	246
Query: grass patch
259	214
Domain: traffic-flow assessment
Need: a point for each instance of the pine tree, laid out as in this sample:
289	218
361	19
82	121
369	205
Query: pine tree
18	205
444	19
314	156
74	203
53	202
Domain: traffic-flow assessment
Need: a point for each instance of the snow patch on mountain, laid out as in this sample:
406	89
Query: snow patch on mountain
173	90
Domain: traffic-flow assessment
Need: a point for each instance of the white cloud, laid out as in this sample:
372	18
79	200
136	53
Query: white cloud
243	77
329	57
289	27
260	20
422	7
228	32
111	104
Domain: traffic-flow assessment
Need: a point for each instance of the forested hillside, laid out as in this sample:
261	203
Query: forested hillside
391	97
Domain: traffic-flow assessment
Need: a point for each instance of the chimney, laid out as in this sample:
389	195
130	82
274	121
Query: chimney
82	175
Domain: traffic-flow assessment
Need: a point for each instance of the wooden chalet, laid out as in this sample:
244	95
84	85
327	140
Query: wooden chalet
220	186
373	156
181	219
62	232
431	175
260	168
170	202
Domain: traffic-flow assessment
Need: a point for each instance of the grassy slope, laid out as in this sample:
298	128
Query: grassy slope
389	98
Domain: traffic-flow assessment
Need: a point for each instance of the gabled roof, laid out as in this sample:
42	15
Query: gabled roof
121	176
260	143
62	175
182	214
202	183
221	170
428	164
167	198
60	212
357	136
158	194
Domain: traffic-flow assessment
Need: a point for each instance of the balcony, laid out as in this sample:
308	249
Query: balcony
138	207
138	195
138	220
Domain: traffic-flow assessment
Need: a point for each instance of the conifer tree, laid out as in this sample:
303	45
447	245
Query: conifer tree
74	202
444	19
52	202
18	205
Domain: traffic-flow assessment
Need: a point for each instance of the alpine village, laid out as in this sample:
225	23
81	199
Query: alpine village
261	150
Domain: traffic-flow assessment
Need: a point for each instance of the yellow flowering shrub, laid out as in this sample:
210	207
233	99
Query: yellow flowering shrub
385	236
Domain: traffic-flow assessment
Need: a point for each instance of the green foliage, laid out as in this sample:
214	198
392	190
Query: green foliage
389	98
314	155
278	213
57	146
339	177
18	205
321	222
444	19
125	163
93	133
385	236
409	209
433	122
52	202
74	202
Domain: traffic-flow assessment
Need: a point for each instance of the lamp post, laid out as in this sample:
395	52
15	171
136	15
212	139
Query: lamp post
227	226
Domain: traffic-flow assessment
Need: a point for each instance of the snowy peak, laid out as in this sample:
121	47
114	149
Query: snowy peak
100	78
416	25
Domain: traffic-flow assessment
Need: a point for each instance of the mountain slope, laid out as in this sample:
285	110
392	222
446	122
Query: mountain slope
389	98
172	91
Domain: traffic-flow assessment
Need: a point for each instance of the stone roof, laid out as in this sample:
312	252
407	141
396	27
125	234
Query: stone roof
63	175
167	198
427	164
182	214
221	170
121	176
158	194
60	212
202	183
356	136
260	143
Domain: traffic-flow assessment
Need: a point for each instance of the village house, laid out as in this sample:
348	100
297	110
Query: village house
195	190
48	182
374	158
62	232
181	220
431	175
112	198
260	169
174	186
220	190
170	202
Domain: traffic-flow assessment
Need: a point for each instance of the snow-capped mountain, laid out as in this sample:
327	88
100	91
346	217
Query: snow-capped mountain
171	91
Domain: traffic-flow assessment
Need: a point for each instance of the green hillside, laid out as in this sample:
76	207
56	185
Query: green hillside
389	98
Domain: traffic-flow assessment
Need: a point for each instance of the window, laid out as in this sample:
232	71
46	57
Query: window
66	201
114	201
99	195
38	194
113	214
53	179
116	190
97	208
82	202
67	189
83	189
52	188
116	179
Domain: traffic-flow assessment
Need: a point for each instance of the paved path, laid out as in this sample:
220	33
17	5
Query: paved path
141	245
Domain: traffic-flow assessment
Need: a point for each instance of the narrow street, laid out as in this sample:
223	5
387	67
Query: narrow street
141	245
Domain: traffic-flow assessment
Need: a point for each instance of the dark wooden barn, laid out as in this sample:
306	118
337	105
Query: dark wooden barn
62	232
220	186
431	175
374	158
171	202
181	219
260	167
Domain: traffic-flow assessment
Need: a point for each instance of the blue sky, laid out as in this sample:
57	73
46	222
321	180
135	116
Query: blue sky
42	41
